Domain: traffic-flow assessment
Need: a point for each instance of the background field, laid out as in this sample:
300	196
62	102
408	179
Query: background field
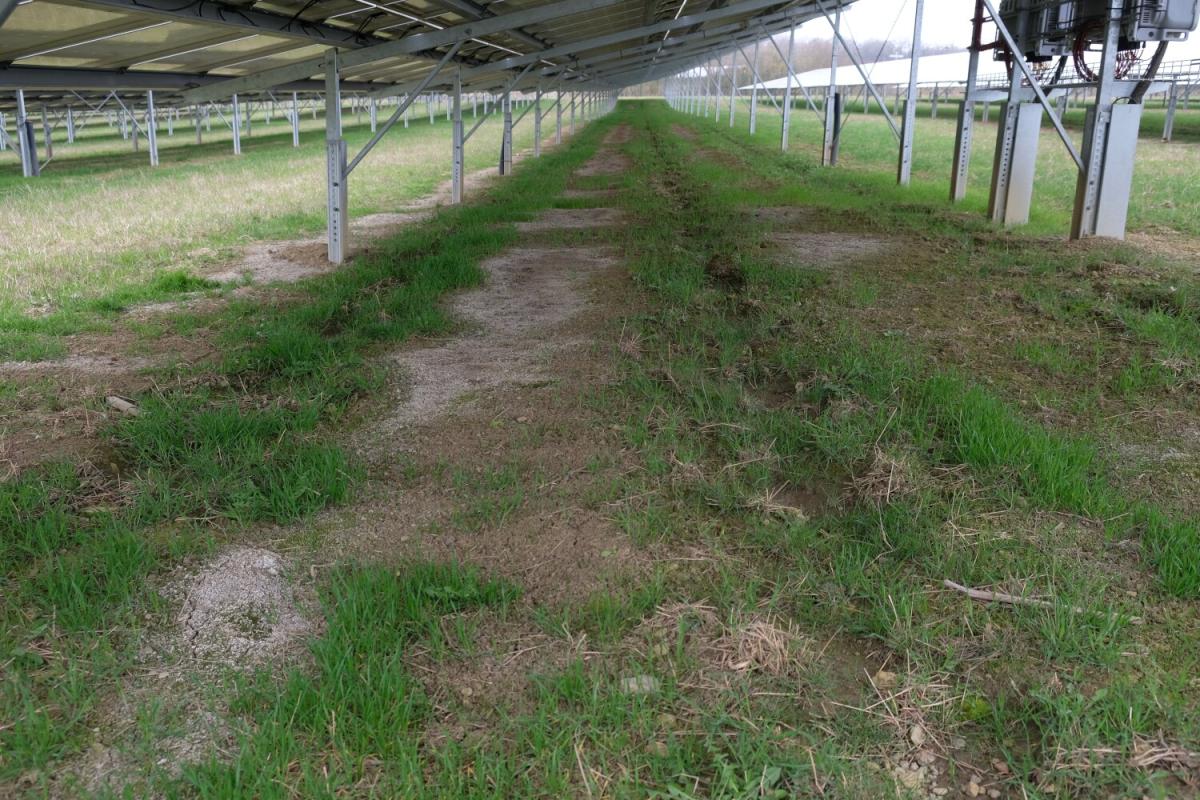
100	218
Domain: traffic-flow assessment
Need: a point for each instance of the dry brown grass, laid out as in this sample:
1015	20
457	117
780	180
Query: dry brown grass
885	476
751	641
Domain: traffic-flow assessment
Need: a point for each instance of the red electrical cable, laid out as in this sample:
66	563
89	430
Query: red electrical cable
1090	31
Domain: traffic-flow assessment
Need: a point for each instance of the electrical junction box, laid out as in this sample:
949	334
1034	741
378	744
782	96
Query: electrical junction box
1147	20
1162	20
1034	25
1044	29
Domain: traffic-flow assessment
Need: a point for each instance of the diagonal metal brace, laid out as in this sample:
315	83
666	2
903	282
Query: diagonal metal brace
858	65
795	78
400	109
757	79
132	116
507	89
1033	83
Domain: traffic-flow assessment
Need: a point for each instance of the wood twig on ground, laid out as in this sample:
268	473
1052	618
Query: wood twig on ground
122	405
1017	600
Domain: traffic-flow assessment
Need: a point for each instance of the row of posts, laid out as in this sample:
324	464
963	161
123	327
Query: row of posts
587	104
583	105
1175	98
237	116
700	91
1110	132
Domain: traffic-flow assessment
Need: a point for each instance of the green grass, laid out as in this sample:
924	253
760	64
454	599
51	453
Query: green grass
359	706
814	448
123	224
1163	193
976	478
252	442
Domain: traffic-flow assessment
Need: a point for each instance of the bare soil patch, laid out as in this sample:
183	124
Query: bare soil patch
77	365
59	406
828	249
535	340
109	769
535	532
786	216
472	181
57	416
64	421
618	135
386	222
291	261
294	260
606	162
1168	244
529	291
277	262
530	340
722	157
195	305
685	133
589	194
238	610
31	438
473	691
722	650
554	556
573	219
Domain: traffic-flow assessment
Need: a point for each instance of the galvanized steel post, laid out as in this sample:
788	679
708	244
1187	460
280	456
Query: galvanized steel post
754	92
237	127
832	123
456	177
733	89
904	170
506	154
1172	107
335	157
151	129
295	120
787	93
1109	142
537	123
46	138
966	113
30	168
558	106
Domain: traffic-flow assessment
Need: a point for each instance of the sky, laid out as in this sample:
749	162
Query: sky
946	22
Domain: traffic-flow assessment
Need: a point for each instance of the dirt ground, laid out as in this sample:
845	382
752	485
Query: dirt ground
60	404
506	389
